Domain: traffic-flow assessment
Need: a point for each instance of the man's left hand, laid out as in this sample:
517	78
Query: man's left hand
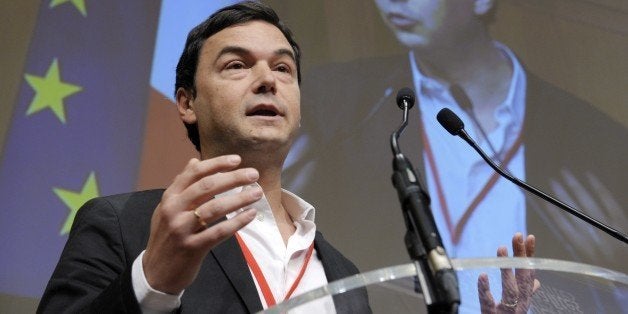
517	288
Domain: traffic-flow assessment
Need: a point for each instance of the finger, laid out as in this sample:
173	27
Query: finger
530	245
530	250
537	285
568	225
611	205
518	246
221	206
219	232
585	198
207	187
510	292
567	197
487	302
197	169
525	284
525	301
568	228
522	275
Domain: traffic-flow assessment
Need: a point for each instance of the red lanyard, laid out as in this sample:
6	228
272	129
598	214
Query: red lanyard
259	276
456	232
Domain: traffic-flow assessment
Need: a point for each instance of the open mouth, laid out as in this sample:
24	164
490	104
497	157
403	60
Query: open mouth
263	111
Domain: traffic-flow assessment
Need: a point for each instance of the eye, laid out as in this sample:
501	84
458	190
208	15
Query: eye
235	65
283	68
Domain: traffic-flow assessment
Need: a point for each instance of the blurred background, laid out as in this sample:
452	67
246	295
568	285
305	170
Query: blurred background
87	110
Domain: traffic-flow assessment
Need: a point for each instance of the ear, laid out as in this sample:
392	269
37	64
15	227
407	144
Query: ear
481	7
185	106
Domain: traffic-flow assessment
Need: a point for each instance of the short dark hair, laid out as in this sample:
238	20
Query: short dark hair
228	16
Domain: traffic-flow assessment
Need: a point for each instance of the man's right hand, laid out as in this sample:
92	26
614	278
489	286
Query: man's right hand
179	241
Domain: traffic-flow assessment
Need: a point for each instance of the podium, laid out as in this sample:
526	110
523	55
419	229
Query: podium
566	287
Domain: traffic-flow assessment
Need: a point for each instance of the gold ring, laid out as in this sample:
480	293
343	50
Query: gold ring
199	218
512	305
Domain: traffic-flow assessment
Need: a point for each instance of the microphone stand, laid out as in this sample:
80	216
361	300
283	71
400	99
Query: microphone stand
452	123
436	277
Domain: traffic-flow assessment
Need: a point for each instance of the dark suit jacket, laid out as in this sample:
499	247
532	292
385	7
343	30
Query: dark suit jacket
94	271
349	113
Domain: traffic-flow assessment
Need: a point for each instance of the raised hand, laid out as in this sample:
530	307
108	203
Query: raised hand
517	287
188	222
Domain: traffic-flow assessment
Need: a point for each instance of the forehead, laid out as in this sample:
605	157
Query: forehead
256	36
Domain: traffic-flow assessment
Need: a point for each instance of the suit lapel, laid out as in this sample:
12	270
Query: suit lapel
332	268
230	258
337	267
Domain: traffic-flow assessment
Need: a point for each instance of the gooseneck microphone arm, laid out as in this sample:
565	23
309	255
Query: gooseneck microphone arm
405	103
452	123
437	277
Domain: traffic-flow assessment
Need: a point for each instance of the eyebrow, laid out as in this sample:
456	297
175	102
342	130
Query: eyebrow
244	51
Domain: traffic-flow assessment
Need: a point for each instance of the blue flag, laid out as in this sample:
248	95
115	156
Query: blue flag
76	129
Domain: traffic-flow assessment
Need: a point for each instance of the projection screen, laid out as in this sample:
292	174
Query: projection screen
88	110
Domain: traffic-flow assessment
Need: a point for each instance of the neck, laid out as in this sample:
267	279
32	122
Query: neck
270	181
477	66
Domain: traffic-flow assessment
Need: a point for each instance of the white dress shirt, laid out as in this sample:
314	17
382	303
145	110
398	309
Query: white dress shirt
279	262
463	174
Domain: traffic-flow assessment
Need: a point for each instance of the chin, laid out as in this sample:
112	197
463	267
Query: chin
265	139
412	40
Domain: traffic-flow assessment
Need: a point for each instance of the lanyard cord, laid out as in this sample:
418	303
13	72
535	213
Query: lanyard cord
456	232
259	276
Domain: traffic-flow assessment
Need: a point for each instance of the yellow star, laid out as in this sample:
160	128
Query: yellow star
74	200
50	91
79	4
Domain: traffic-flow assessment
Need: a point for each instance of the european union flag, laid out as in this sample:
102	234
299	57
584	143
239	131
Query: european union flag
76	130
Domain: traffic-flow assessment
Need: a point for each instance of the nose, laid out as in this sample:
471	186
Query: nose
266	81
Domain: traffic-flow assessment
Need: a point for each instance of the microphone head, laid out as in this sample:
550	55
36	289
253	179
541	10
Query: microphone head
450	121
405	95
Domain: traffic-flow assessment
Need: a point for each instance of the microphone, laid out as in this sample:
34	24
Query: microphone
405	98
452	123
405	101
423	242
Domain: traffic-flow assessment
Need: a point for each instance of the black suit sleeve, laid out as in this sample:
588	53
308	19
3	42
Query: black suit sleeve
93	273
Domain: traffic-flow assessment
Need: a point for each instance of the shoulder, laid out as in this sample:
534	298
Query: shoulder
123	204
127	214
132	198
553	102
577	123
93	271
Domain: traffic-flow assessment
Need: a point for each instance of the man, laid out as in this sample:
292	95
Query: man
536	131
237	91
237	87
